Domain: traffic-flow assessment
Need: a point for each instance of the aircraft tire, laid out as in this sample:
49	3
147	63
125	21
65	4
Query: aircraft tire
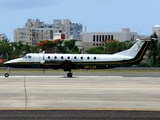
6	75
69	75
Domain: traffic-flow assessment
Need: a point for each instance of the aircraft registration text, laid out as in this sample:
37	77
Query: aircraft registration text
89	67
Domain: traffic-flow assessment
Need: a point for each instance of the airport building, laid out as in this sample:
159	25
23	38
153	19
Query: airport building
94	39
35	31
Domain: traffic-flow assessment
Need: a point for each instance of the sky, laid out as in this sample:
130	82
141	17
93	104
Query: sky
96	15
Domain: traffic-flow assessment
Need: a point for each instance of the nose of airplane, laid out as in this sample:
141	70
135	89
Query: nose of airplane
12	63
6	63
9	63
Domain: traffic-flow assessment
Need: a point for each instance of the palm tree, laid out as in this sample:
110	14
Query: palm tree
5	49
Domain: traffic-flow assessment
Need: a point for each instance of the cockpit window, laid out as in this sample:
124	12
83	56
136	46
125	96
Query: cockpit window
25	57
29	57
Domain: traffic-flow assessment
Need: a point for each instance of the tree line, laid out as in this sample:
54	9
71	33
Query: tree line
11	50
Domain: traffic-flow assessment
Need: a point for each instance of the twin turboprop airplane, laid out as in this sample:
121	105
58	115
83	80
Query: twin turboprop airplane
67	62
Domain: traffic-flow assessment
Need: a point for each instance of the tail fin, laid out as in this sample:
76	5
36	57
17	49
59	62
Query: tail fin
136	48
139	47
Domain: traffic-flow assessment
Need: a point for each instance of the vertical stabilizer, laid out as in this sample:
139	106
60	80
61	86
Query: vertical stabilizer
139	47
135	49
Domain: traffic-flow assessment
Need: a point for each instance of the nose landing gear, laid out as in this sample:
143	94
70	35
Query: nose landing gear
7	73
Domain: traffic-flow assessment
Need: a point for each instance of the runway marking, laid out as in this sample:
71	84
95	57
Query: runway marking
106	109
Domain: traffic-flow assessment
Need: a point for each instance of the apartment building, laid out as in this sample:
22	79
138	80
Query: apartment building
36	30
72	30
2	36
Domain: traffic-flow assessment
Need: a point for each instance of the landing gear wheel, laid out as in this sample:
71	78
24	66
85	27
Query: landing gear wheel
69	75
6	75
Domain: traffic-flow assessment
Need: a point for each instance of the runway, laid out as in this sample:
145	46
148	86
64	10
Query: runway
86	92
116	96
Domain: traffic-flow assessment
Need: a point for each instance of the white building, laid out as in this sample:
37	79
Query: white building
94	39
36	30
156	29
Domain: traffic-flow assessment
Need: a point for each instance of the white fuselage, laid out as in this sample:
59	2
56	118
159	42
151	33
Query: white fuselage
40	57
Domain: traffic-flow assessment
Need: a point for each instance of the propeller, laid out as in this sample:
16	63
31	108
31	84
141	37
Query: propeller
43	61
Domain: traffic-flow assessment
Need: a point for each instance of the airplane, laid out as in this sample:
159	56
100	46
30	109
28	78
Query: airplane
67	62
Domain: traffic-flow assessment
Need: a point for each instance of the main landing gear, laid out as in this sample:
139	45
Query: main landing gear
68	65
69	74
7	72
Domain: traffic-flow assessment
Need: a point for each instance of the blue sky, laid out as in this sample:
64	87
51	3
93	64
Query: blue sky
96	15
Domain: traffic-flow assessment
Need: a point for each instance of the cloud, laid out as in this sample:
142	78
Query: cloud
26	4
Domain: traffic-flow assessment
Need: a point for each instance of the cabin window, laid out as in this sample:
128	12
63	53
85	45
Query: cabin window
29	57
75	57
49	57
94	58
25	57
88	58
68	57
81	57
55	57
61	57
